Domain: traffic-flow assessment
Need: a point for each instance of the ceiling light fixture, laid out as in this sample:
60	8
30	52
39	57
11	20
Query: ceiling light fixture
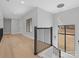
7	0
60	5
22	1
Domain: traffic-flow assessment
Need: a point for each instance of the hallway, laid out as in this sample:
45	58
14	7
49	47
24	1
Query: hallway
16	46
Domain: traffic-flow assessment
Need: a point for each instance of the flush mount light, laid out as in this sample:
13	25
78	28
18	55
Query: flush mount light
60	5
7	0
22	1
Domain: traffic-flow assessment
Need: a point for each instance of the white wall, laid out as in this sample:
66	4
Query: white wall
40	18
44	18
68	17
31	14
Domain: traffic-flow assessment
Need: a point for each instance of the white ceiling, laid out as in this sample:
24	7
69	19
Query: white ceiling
15	7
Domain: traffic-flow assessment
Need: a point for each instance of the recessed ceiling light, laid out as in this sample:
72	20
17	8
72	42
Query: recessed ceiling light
22	1
60	5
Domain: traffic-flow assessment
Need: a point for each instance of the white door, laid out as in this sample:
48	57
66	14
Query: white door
7	26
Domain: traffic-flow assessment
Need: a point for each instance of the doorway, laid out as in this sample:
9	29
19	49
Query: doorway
7	26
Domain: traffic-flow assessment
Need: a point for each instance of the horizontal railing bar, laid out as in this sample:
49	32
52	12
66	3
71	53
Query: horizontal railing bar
66	34
42	28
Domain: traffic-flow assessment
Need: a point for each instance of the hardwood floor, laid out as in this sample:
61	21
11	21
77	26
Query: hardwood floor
16	46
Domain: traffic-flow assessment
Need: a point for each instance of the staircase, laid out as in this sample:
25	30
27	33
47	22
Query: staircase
51	53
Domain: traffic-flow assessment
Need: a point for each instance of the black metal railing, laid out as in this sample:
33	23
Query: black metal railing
40	45
1	34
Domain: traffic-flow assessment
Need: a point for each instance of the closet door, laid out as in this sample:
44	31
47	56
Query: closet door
7	26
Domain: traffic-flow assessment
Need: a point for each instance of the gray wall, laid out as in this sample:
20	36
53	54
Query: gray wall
11	26
15	26
1	20
45	19
68	17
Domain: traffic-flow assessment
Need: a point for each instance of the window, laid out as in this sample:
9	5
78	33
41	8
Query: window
66	38
29	25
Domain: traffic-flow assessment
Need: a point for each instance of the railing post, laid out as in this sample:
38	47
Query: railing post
1	34
51	35
59	53
35	40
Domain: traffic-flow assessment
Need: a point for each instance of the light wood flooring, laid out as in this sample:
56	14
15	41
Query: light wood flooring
16	46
